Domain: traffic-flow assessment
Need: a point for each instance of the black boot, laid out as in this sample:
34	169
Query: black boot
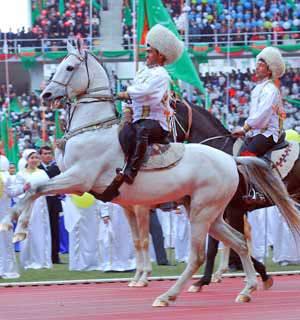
135	162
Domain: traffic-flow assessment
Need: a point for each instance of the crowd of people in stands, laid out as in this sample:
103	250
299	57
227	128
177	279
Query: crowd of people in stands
53	24
245	20
30	118
240	86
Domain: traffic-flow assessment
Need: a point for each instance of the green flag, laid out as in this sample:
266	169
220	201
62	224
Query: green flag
153	12
58	130
36	12
61	7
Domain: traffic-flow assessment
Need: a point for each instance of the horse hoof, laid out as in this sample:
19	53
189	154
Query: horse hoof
268	283
141	284
216	279
194	288
132	284
19	237
242	298
160	303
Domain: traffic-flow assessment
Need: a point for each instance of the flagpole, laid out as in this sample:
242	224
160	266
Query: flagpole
186	9
134	35
228	59
91	26
5	50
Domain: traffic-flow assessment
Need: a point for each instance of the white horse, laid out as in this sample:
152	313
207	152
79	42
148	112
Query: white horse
205	179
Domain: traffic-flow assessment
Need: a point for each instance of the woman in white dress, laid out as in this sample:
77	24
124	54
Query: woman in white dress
35	250
286	246
8	263
116	244
82	223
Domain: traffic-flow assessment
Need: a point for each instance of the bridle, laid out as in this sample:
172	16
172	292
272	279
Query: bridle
87	91
84	98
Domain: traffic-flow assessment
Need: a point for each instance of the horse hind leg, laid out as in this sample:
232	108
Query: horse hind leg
212	250
138	224
199	230
222	231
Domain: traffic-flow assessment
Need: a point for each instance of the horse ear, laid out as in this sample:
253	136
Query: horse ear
70	48
80	45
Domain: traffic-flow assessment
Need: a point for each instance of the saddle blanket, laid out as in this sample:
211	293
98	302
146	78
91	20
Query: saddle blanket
282	160
162	156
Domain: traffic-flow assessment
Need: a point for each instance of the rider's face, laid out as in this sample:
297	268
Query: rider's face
262	70
154	57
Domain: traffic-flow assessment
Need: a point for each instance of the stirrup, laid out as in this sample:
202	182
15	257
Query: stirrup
254	197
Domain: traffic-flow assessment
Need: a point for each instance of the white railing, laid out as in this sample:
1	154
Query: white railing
212	40
238	39
45	44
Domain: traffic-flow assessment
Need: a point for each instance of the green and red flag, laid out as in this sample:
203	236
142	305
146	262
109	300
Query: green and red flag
150	13
9	140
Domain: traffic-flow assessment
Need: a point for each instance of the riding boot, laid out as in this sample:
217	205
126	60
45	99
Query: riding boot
135	161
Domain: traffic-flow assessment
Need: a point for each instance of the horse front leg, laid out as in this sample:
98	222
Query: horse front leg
223	265
67	182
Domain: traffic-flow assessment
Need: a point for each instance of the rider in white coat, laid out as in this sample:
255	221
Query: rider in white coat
149	93
264	124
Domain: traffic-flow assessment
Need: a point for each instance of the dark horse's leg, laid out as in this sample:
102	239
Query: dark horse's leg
212	250
235	219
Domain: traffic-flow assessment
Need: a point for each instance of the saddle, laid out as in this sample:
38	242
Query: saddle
281	159
158	155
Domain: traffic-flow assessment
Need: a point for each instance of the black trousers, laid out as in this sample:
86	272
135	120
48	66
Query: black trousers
54	208
157	238
257	145
149	131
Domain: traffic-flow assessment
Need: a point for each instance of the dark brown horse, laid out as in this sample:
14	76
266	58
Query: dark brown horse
204	126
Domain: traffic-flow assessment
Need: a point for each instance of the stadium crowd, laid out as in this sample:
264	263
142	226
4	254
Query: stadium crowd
30	118
246	20
56	24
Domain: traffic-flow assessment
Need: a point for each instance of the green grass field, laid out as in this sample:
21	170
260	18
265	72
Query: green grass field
61	272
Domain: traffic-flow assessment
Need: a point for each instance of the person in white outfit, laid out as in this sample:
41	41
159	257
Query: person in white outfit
148	115
286	246
83	226
35	250
116	244
8	263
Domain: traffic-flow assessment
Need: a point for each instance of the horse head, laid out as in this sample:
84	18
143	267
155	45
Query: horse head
76	75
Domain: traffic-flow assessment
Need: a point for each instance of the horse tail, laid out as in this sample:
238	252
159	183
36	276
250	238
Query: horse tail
262	177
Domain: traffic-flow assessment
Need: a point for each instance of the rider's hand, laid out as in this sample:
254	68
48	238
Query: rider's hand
238	132
26	186
123	95
106	220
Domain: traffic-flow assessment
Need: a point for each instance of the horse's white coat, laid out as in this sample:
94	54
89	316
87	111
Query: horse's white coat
208	176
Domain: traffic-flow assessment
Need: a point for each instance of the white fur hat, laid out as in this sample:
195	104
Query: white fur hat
163	40
274	60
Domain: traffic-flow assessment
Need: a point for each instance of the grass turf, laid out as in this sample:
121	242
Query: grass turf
61	272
